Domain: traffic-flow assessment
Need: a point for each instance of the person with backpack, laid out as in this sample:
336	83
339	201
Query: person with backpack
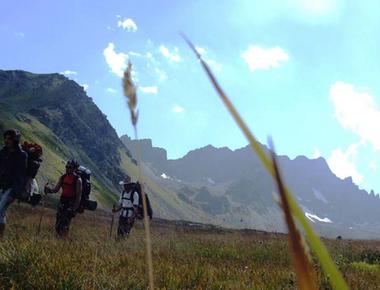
30	194
128	208
85	203
69	202
13	171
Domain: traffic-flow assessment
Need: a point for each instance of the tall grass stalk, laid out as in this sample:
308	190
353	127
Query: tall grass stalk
130	92
336	279
305	273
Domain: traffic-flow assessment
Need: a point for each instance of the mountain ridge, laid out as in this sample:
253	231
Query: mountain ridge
221	186
237	181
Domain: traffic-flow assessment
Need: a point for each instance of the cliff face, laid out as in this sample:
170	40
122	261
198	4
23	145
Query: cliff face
235	186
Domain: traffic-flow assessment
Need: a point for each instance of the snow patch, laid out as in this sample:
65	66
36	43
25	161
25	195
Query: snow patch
164	176
319	196
210	180
314	218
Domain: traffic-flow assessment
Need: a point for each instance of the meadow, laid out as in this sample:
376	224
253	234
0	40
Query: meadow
184	257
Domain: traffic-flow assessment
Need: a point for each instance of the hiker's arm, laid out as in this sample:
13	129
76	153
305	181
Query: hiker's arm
116	208
56	188
136	201
19	178
78	194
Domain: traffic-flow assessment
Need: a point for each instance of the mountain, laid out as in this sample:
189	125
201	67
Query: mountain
234	186
55	112
210	185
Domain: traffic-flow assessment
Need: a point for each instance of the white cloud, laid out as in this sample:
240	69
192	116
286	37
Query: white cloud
214	64
178	109
127	24
111	90
264	58
316	153
85	86
149	90
211	62
172	56
116	61
342	163
373	165
356	110
69	72
200	49
162	75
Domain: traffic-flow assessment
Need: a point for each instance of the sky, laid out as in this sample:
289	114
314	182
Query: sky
305	72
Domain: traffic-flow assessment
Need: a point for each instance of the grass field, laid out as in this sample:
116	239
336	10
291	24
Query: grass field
183	257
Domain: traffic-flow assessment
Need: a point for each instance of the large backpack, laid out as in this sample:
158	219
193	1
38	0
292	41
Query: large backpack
140	207
34	152
86	203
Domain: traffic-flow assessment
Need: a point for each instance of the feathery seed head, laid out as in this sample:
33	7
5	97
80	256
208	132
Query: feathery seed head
130	92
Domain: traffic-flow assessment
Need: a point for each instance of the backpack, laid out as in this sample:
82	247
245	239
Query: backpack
30	194
86	203
34	152
140	207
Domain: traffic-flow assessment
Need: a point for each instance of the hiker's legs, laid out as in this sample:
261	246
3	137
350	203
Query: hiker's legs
123	228
130	223
63	220
5	200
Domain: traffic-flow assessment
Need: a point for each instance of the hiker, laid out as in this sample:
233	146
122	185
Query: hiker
128	207
13	169
71	185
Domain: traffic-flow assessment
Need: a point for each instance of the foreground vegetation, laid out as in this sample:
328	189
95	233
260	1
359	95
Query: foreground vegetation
183	257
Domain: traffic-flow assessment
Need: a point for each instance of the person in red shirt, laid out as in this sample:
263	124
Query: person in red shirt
69	202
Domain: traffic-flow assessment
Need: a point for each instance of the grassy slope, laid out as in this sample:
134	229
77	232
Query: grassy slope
166	204
54	155
183	258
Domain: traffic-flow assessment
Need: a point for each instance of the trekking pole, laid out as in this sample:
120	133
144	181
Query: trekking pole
43	209
112	220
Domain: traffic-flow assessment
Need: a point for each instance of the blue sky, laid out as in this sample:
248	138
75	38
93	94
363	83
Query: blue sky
304	71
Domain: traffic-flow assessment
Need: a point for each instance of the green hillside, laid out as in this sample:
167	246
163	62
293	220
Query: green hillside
55	112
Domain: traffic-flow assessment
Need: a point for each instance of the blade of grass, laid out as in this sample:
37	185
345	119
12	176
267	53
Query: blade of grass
146	218
304	270
314	241
130	92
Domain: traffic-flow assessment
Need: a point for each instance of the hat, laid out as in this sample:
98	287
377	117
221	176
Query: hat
126	180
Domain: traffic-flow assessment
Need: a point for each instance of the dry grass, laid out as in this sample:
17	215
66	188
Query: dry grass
131	95
183	258
305	280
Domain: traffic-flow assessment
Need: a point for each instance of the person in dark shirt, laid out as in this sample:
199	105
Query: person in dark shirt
13	170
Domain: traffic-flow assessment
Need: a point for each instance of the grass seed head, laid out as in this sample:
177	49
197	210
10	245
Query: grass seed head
130	92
